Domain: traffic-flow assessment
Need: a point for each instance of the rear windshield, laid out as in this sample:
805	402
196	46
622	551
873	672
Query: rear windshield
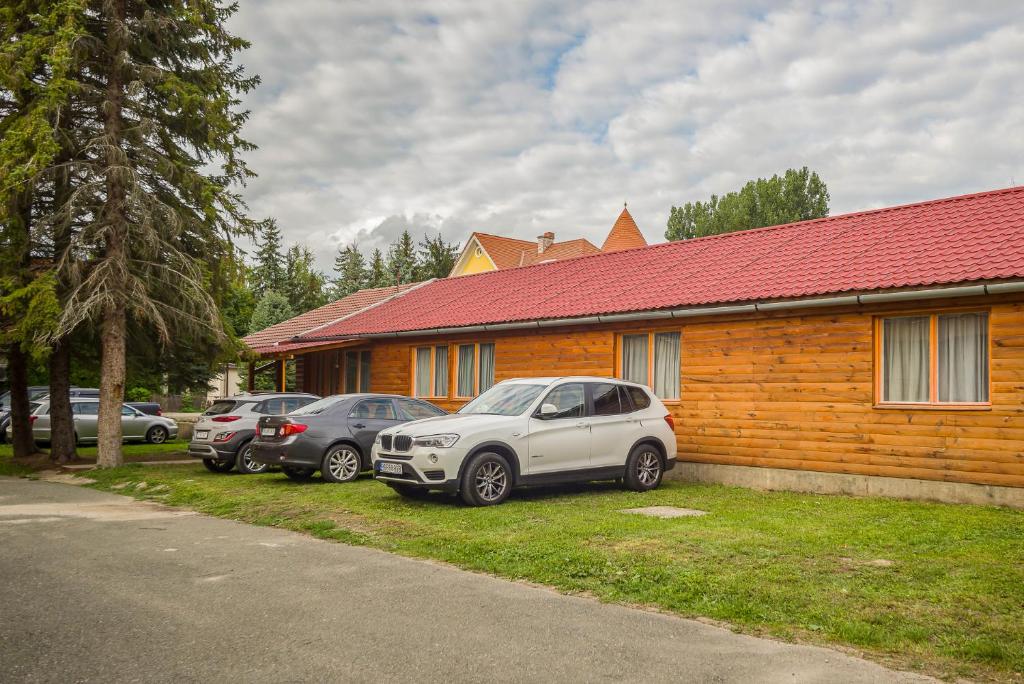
219	408
318	406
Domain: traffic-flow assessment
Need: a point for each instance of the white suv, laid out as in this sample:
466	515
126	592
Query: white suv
532	431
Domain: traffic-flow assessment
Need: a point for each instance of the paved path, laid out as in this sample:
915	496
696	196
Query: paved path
100	587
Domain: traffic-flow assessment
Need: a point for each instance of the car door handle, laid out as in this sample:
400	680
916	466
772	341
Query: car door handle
582	424
359	426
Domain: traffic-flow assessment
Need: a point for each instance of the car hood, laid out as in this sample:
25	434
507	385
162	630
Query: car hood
455	423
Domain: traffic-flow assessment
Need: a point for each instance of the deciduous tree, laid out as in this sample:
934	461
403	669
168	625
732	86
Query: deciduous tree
797	195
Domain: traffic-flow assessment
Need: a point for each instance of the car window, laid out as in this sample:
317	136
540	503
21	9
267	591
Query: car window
415	410
220	407
504	400
317	406
271	407
606	399
87	408
639	397
568	399
374	409
37	393
127	411
293	403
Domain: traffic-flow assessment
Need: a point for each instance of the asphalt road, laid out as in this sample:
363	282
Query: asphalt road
100	587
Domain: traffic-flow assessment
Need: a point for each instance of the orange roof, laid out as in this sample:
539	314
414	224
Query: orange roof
504	252
624	234
560	250
268	339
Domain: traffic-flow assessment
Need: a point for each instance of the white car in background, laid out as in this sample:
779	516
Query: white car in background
532	431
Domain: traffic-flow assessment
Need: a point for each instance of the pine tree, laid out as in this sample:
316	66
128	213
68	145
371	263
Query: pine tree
402	260
271	309
159	82
377	273
304	285
269	271
437	258
350	267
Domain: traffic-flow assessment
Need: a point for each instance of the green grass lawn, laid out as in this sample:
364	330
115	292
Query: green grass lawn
139	452
796	566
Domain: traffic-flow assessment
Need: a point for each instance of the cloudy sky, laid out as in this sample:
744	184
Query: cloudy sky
524	116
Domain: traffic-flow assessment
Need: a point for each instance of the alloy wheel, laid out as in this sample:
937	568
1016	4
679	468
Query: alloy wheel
343	464
648	467
159	436
252	466
491	481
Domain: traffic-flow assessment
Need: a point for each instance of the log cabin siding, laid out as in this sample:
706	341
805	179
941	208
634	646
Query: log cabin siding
784	390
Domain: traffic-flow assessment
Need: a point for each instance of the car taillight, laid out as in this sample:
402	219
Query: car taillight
226	419
159	412
293	429
32	419
671	423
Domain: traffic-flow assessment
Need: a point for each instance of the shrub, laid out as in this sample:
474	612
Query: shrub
139	394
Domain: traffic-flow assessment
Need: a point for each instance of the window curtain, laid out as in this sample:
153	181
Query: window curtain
351	372
466	359
905	359
963	357
441	371
486	366
364	371
666	365
423	371
634	358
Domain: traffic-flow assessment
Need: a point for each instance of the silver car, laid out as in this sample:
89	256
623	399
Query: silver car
222	436
136	426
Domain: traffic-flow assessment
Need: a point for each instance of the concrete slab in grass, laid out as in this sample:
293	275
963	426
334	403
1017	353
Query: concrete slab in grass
665	512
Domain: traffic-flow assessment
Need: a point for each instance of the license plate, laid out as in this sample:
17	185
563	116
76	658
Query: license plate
202	434
268	432
390	468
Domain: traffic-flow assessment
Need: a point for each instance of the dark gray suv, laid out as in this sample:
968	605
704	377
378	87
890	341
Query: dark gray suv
333	435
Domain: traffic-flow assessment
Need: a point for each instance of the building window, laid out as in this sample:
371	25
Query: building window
474	369
430	371
934	359
357	371
652	359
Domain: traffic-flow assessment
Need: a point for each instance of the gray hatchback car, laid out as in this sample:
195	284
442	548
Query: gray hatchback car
333	435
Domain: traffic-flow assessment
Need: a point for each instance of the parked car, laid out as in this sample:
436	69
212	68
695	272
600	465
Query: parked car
333	435
150	407
532	431
223	433
135	425
34	393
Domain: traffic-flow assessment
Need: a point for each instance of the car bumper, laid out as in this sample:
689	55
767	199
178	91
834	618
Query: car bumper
220	451
288	452
426	467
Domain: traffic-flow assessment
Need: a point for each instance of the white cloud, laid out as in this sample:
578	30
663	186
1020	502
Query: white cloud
521	117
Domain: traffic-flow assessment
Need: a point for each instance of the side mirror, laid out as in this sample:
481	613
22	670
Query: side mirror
548	410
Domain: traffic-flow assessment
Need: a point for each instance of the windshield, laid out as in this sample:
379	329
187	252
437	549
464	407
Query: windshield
504	400
318	406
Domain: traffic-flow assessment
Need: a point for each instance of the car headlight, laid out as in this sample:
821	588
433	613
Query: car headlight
436	441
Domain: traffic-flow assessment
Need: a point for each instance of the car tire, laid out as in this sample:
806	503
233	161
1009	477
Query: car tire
298	474
408	491
487	480
644	468
244	463
157	434
341	463
215	466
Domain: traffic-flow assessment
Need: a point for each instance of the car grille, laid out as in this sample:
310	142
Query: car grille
403	442
385	442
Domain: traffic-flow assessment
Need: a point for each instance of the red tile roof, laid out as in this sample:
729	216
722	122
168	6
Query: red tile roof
266	340
960	239
624	234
